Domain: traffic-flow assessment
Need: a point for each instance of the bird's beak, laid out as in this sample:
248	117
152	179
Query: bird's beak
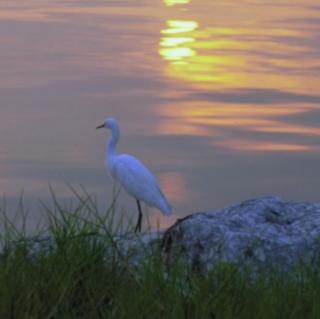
100	126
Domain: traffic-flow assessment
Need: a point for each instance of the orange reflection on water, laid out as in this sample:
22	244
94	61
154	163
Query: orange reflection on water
174	183
259	57
279	127
207	119
247	145
253	30
226	113
221	59
243	55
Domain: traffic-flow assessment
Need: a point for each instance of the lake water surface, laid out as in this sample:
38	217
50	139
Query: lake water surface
220	98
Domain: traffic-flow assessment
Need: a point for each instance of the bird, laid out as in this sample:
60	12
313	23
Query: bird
133	175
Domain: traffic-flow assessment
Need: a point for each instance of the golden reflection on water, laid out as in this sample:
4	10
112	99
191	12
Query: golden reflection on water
170	3
205	119
214	61
249	145
242	58
174	47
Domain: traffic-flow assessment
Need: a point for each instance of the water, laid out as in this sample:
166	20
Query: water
220	98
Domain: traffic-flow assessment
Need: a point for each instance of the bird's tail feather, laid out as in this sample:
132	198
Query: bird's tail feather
166	208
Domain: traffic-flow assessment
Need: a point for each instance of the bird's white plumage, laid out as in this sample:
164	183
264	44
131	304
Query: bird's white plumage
132	174
138	181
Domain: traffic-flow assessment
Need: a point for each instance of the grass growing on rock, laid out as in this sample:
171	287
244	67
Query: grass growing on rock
74	268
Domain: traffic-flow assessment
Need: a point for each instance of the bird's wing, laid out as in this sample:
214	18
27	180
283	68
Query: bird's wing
137	180
132	174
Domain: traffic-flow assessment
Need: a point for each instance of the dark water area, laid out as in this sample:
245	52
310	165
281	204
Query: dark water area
219	98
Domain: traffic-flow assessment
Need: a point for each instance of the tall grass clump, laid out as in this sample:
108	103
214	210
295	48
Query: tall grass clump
73	267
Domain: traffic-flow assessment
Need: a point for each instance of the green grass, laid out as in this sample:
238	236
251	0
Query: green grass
73	268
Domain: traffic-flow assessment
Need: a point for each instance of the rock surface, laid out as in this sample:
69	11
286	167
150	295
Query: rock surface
264	232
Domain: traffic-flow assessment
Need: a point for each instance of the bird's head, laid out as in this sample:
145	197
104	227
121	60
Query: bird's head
109	123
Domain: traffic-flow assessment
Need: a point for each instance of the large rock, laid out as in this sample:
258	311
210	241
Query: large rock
264	233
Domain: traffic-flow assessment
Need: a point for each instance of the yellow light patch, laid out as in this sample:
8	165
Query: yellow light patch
170	3
180	26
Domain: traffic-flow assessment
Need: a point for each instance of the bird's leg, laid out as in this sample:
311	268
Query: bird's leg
138	226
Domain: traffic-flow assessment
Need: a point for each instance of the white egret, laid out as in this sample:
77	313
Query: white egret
133	175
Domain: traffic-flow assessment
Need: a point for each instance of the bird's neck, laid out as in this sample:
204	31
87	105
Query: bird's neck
111	147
